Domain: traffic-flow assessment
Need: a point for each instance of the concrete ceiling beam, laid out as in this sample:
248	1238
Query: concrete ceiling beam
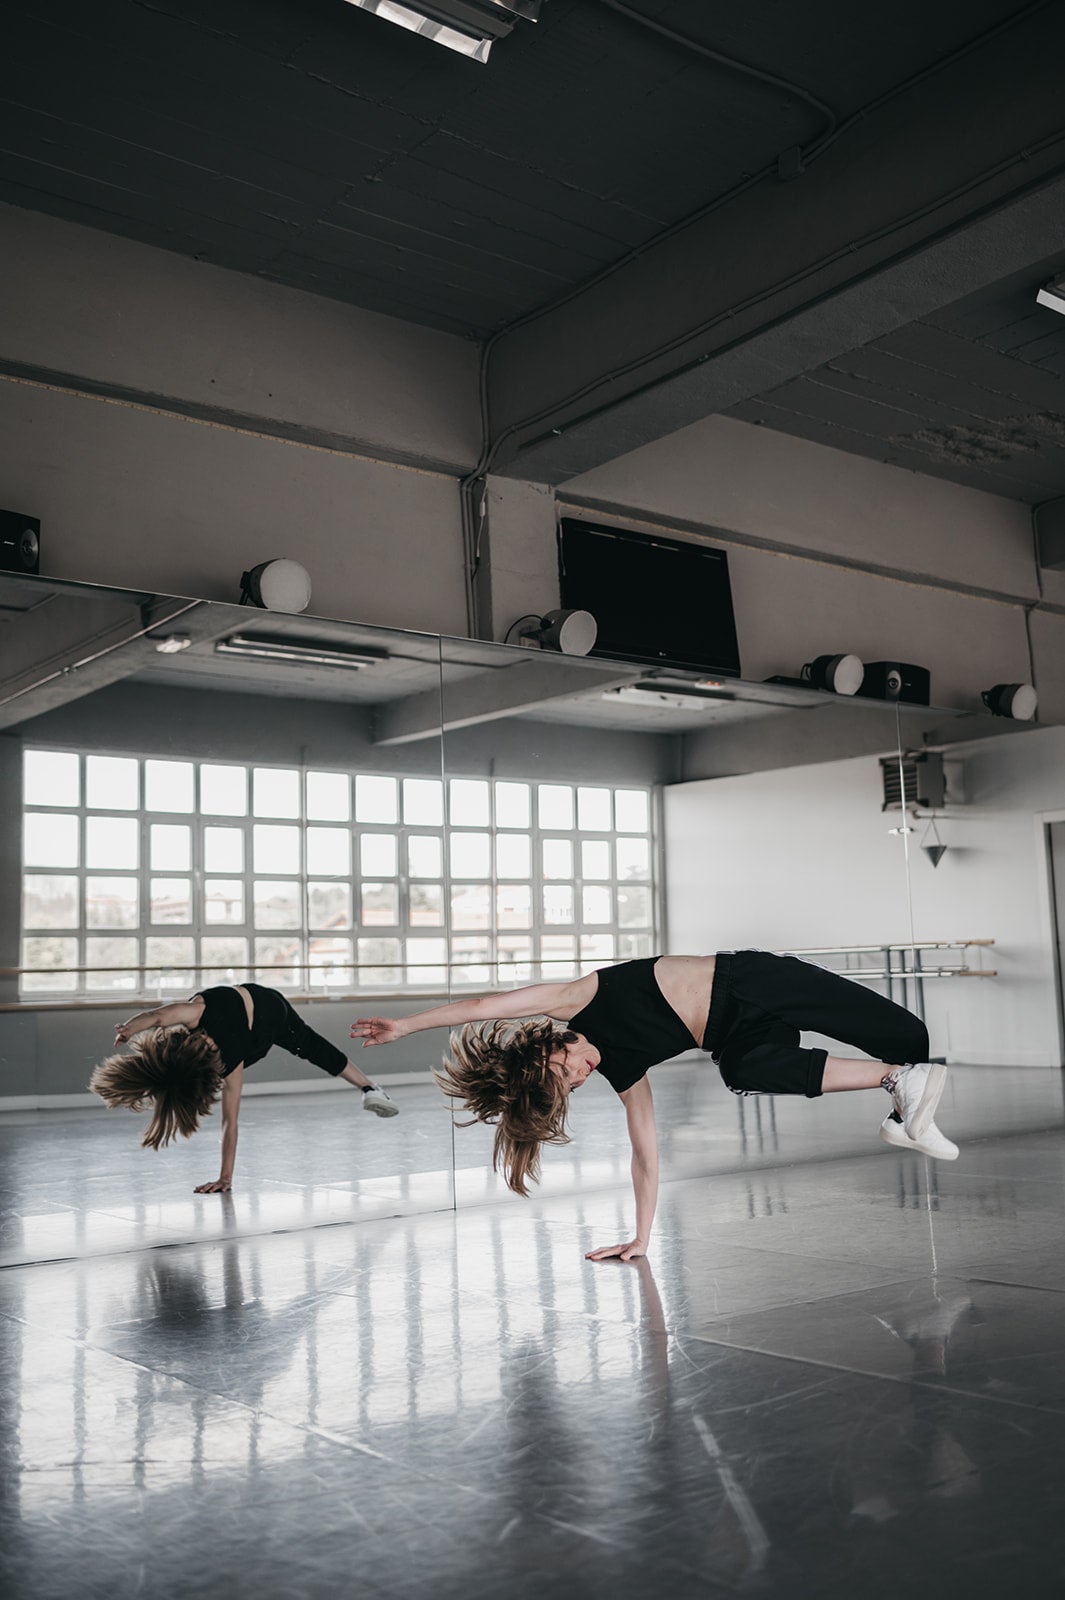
73	645
935	194
493	694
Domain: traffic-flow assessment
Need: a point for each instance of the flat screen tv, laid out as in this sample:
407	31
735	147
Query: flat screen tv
663	601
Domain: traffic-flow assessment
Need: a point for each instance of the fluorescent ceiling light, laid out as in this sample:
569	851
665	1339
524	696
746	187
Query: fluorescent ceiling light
468	26
298	652
1052	295
675	696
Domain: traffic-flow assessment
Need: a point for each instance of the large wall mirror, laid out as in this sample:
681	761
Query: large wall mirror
373	821
195	794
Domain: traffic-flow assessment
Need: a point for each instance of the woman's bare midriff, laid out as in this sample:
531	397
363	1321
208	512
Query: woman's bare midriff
685	982
249	1003
249	1007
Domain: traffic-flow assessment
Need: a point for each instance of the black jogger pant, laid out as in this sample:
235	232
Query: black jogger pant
285	1027
761	1002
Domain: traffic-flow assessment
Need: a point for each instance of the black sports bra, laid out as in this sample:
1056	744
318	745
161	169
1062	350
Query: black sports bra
225	1019
631	1023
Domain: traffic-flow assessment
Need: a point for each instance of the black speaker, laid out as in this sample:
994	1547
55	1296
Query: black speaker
897	680
20	542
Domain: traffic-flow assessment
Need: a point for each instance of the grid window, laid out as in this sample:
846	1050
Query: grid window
513	805
329	904
169	786
161	876
376	799
49	840
328	797
170	847
112	783
224	791
51	778
112	903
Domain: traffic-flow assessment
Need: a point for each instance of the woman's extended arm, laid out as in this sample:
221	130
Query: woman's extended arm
185	1011
231	1087
561	1000
640	1111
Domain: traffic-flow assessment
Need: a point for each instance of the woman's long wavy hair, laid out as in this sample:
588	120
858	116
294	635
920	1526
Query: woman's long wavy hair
500	1072
178	1069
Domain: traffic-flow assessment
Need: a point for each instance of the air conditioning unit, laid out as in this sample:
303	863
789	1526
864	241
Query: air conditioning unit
922	776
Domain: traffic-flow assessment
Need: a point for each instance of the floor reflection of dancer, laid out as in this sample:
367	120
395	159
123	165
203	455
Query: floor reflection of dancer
745	1007
184	1056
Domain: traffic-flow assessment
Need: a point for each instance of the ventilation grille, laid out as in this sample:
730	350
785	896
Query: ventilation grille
923	779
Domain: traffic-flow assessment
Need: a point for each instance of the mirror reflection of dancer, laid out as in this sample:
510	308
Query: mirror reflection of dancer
183	1056
745	1007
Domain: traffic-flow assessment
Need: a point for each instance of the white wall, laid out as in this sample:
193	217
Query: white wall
805	858
773	486
146	499
79	301
171	423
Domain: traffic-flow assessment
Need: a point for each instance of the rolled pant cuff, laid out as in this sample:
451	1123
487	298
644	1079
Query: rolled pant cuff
815	1073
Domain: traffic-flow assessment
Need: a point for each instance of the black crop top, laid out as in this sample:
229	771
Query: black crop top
225	1019
631	1023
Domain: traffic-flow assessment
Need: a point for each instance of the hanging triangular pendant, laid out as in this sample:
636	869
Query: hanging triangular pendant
934	852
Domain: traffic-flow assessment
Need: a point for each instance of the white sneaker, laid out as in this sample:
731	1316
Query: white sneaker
931	1142
377	1101
917	1093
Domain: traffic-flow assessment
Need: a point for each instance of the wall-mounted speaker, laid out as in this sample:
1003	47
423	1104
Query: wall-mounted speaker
20	542
897	680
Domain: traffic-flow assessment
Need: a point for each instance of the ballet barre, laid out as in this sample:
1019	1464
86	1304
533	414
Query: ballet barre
904	964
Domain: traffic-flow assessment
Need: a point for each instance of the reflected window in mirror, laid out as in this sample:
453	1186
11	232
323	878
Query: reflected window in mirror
169	875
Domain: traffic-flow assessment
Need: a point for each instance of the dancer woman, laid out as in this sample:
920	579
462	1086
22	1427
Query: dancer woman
183	1056
745	1007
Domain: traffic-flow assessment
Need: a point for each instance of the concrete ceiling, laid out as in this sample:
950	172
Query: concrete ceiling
822	219
315	145
975	393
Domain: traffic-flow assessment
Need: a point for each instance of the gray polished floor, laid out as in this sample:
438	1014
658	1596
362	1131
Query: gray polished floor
841	1372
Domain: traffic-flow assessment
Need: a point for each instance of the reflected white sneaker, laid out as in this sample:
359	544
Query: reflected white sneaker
916	1092
382	1105
931	1142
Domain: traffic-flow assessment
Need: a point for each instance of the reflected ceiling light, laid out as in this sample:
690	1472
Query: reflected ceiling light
470	27
571	632
276	586
172	644
1053	295
298	652
1016	700
837	674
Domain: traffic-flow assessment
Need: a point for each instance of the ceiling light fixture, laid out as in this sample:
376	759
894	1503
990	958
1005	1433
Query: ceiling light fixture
298	652
276	586
470	27
572	632
664	692
1016	700
836	674
1053	296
